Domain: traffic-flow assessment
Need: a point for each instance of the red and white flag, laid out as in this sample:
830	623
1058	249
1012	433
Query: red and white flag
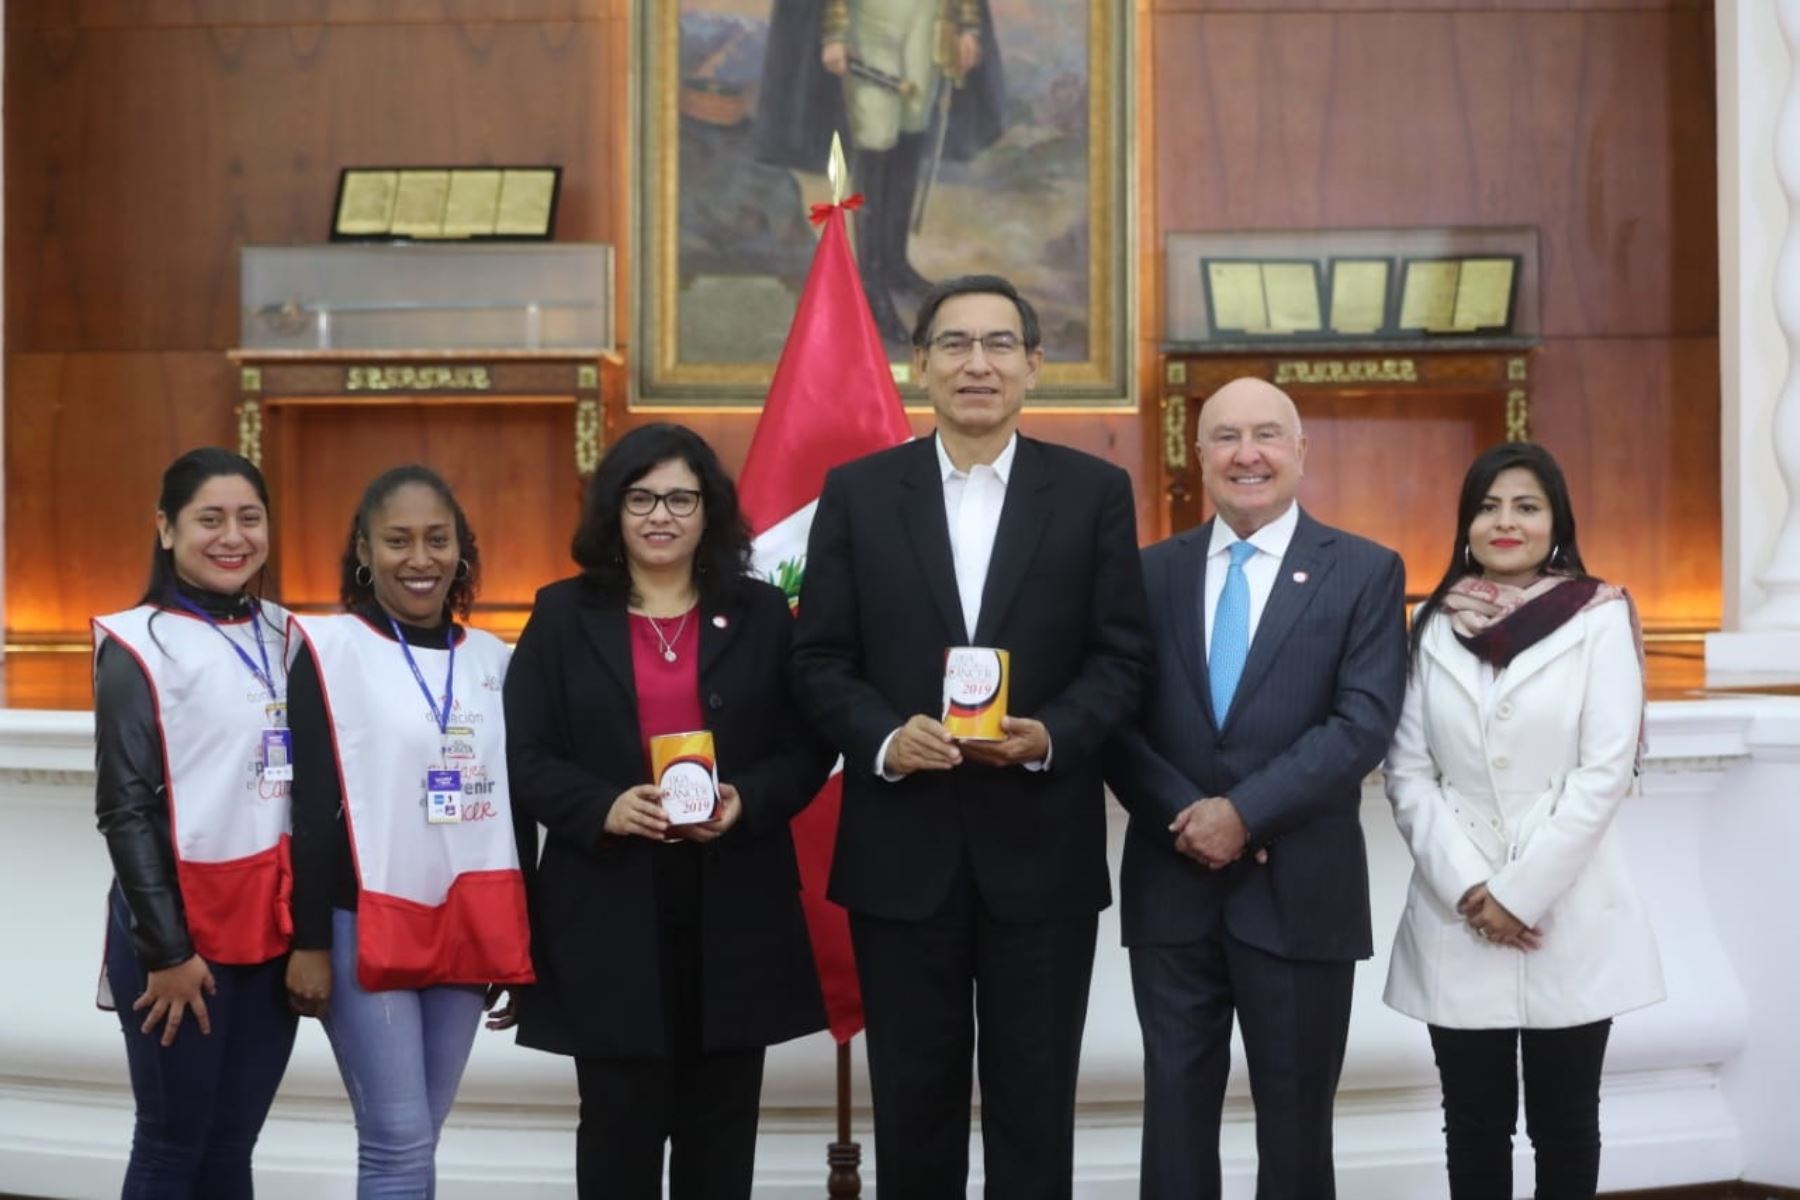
833	399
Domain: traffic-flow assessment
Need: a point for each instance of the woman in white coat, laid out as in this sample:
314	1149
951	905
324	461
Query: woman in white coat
1522	935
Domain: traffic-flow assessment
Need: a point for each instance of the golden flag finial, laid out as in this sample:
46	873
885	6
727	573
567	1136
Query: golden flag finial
837	170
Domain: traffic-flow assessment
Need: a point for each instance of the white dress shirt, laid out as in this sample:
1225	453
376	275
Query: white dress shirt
972	503
1260	569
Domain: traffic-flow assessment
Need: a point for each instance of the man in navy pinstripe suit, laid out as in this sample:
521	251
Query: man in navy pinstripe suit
1281	654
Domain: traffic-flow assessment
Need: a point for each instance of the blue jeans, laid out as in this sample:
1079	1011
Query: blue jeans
201	1101
401	1054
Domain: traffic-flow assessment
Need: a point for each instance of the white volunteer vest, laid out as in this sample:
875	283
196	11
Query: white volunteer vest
438	903
229	827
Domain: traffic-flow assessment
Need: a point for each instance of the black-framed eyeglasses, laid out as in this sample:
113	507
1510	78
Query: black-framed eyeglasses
1001	343
681	502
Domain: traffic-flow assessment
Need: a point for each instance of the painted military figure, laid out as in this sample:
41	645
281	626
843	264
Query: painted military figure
909	84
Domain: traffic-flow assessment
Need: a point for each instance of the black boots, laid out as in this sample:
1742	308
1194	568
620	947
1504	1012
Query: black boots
889	182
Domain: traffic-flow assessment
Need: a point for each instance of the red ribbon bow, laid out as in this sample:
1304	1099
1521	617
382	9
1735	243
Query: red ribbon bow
851	203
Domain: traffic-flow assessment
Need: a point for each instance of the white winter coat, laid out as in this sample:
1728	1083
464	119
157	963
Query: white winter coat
1518	789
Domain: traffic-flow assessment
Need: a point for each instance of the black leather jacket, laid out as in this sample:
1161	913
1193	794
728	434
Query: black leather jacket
130	803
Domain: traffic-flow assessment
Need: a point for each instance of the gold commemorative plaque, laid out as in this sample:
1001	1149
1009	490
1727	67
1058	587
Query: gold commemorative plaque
473	203
419	204
365	205
527	203
1359	289
469	203
1263	297
1484	290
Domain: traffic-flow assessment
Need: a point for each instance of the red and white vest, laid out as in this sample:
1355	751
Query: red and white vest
439	903
228	825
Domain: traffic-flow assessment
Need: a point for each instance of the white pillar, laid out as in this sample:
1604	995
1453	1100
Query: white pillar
1759	333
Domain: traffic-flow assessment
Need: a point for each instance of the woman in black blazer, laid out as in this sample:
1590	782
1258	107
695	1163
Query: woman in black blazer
667	956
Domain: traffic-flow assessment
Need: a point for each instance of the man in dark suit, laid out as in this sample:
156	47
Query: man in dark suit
973	872
1281	656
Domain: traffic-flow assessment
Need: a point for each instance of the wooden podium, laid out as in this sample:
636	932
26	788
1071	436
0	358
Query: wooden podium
1390	430
515	432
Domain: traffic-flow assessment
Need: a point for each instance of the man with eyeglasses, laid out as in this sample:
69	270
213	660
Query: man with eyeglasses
1281	646
974	872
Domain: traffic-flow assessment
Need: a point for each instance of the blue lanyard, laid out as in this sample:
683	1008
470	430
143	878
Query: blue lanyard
266	677
442	718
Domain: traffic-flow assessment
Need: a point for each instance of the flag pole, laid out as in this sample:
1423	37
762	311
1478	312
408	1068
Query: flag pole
844	1157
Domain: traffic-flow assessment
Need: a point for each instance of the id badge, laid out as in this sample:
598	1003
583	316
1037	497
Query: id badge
443	797
277	755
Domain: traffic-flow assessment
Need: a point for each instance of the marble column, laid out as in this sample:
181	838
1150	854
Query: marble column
1759	336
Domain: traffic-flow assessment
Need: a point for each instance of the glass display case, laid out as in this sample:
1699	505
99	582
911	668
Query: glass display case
1331	288
427	297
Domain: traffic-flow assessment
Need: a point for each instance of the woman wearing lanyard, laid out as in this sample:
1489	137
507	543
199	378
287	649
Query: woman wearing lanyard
668	955
408	897
192	796
1522	935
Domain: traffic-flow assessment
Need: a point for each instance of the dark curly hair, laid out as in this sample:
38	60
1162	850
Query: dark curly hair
461	597
721	560
1565	553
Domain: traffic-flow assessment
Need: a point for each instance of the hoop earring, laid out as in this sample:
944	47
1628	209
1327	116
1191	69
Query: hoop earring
362	575
1555	552
1468	558
462	569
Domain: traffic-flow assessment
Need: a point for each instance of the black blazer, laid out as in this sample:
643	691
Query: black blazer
877	610
573	745
1318	700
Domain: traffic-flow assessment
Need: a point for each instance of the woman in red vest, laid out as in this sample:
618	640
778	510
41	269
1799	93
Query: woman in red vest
193	768
409	902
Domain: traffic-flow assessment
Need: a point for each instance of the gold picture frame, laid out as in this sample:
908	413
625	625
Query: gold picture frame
713	301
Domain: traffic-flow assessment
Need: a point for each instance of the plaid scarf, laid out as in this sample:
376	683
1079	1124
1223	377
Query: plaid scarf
1497	622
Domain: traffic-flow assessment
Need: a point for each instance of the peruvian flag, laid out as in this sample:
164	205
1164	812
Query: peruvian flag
833	399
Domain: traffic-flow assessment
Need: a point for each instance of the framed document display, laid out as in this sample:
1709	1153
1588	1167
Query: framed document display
445	203
1359	295
1459	295
1281	290
1263	297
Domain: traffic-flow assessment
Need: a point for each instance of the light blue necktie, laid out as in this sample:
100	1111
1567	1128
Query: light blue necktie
1230	633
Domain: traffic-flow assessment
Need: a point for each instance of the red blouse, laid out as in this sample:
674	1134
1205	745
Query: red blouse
668	693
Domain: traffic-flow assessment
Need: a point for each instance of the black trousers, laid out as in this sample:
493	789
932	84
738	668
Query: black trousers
927	987
1479	1069
1295	1018
702	1103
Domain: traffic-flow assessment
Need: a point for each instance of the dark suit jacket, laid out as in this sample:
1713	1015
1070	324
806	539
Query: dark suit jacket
879	607
1314	709
573	745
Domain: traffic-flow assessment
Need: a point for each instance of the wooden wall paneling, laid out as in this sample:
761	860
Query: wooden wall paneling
1582	123
149	141
87	438
1592	122
164	150
1387	467
152	14
1152	478
1635	425
510	464
1415	7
